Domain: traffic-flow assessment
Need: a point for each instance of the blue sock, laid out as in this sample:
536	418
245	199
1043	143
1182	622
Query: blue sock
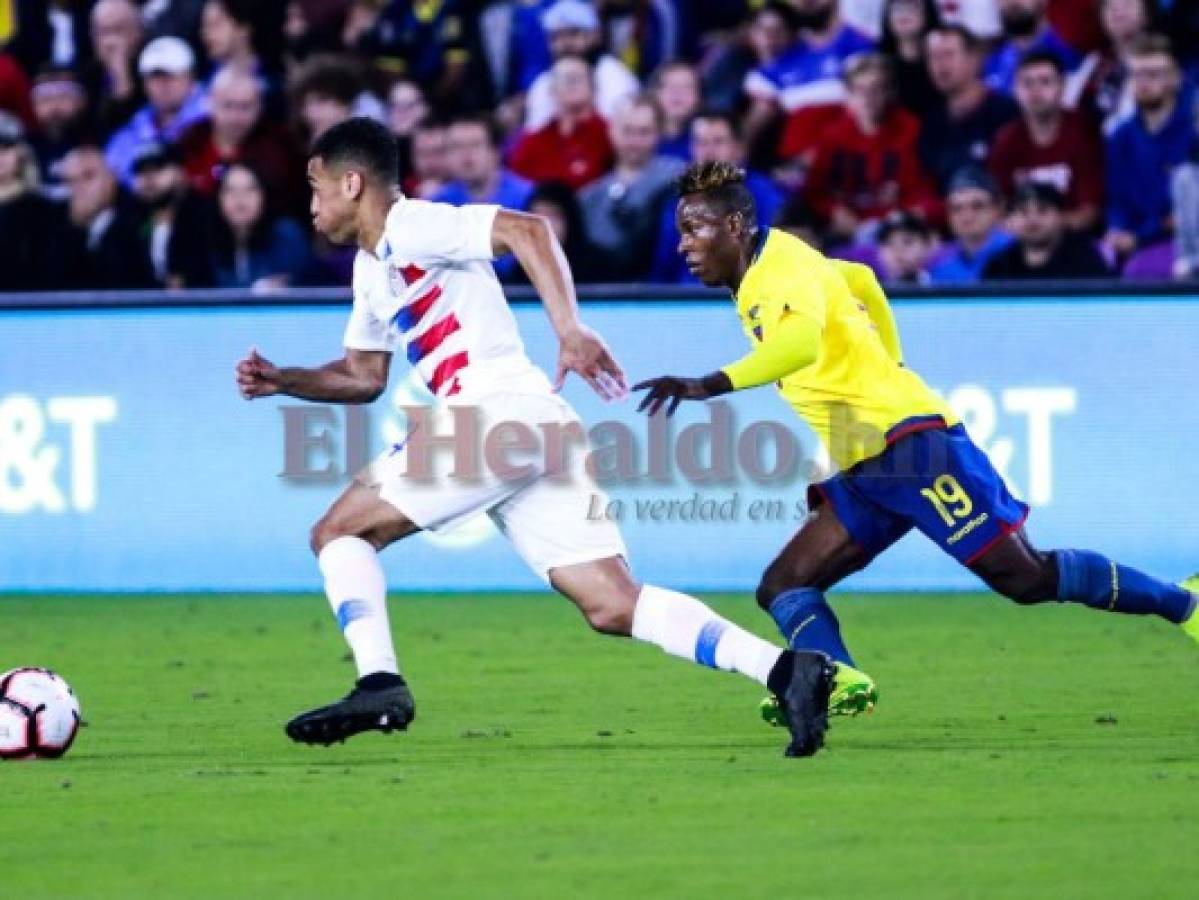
807	623
1096	581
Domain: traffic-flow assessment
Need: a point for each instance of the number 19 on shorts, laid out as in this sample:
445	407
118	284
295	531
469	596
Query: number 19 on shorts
949	499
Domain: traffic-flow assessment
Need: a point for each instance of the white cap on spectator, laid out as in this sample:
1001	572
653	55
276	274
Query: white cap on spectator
570	14
166	54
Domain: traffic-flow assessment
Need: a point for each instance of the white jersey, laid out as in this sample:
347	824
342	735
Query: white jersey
430	288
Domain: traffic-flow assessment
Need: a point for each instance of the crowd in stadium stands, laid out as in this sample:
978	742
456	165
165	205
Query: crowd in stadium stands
163	143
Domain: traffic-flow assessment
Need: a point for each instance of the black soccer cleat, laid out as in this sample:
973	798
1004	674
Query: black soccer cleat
804	701
384	709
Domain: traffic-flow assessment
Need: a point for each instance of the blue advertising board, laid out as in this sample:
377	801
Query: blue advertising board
129	462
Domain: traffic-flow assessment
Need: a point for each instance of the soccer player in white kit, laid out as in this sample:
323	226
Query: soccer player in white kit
424	283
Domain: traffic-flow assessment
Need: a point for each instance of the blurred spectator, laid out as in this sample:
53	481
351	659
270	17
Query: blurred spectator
865	163
769	33
974	208
1184	190
430	160
808	73
905	245
906	24
108	253
60	107
1100	84
1025	29
574	147
177	218
230	32
557	203
237	131
324	93
1045	247
180	18
959	129
14	89
252	247
41	33
406	108
1181	22
175	103
646	34
30	225
677	89
866	16
979	17
713	139
227	29
621	209
474	163
111	79
473	144
435	44
798	220
515	44
1076	23
573	28
1143	152
1049	144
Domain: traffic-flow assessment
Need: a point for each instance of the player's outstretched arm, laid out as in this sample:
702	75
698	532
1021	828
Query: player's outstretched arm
359	377
789	346
582	351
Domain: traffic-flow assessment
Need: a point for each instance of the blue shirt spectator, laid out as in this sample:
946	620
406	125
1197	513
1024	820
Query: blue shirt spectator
1143	152
974	211
175	103
1025	29
809	72
957	265
473	156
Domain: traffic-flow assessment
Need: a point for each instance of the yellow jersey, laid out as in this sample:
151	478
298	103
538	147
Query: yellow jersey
856	395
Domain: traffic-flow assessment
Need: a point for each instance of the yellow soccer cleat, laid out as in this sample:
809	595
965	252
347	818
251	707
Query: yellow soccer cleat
1191	625
854	693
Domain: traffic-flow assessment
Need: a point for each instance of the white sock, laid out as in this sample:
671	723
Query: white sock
358	595
683	626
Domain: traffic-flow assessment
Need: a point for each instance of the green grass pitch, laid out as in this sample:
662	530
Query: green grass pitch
1050	752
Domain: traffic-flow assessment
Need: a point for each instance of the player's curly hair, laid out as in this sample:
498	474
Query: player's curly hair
701	177
722	185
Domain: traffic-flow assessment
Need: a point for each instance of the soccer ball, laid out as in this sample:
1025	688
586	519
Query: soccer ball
39	714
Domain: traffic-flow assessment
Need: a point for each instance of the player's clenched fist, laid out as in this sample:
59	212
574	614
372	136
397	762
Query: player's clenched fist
257	377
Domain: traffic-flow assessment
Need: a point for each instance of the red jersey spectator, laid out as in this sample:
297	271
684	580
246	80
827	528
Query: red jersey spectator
237	132
574	147
1049	145
865	163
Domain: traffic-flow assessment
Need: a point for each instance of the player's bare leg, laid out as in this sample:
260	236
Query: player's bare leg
346	542
614	603
1020	572
791	591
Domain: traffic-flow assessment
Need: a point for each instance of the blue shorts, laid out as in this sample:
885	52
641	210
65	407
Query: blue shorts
932	478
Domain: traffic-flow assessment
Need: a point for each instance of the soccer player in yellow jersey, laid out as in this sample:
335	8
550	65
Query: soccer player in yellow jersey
822	330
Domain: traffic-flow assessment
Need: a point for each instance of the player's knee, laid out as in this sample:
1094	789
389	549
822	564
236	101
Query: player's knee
778	579
324	531
611	618
1029	583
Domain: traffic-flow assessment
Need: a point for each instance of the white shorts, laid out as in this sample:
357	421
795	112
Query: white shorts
548	512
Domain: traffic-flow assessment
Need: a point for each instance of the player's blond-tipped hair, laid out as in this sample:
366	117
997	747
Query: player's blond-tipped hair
722	185
703	177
